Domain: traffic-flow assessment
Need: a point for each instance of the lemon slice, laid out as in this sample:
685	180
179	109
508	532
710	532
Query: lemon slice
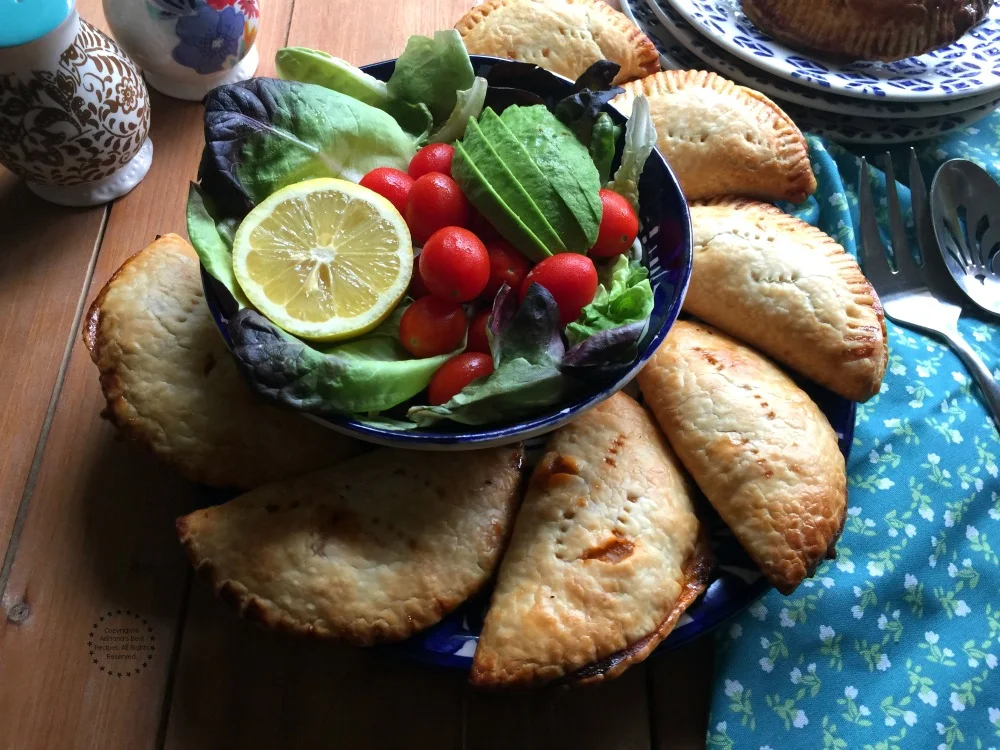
324	259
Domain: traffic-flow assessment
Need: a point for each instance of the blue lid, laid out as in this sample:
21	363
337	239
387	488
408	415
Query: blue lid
23	21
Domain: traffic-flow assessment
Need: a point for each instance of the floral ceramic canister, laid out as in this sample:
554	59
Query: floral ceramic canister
188	47
74	111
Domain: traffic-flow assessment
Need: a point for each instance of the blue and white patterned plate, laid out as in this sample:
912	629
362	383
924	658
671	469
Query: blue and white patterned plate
659	19
737	583
838	123
970	66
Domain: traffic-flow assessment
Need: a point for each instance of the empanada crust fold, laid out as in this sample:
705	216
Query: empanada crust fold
882	30
370	551
761	451
564	36
723	139
790	290
172	386
697	577
602	559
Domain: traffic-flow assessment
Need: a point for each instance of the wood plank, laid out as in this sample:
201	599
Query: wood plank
45	258
98	533
240	686
612	715
680	695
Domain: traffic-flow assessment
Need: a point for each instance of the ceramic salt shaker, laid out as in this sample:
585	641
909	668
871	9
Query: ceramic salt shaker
74	111
188	47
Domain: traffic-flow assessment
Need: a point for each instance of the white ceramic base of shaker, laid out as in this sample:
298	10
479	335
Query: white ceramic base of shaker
101	191
194	89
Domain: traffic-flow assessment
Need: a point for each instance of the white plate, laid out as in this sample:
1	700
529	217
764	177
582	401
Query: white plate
970	66
840	128
668	21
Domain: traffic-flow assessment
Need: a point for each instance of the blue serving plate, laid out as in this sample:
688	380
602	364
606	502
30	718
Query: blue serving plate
667	244
667	252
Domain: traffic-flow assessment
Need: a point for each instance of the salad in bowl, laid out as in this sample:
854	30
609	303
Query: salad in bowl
436	251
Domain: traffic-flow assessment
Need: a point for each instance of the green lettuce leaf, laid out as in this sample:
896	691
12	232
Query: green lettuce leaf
468	105
363	376
212	241
313	66
624	297
432	72
527	349
264	133
640	140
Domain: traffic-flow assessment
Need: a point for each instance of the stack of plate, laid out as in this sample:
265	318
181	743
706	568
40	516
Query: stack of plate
867	103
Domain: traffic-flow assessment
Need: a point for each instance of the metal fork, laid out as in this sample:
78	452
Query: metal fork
917	296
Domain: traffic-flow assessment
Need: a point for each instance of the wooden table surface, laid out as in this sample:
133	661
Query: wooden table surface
86	521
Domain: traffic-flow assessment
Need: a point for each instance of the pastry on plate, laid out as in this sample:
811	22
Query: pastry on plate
884	30
758	447
790	290
370	551
564	36
723	139
172	385
605	556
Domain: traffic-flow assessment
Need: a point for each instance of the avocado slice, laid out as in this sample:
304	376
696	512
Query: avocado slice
534	181
481	195
507	186
563	159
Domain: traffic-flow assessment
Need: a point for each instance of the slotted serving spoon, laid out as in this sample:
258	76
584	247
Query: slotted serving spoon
965	209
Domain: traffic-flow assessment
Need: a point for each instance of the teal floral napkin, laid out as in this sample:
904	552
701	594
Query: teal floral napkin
895	644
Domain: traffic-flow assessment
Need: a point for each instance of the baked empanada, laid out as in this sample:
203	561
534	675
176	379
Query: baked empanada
884	30
370	551
723	139
564	36
762	452
788	289
172	385
604	558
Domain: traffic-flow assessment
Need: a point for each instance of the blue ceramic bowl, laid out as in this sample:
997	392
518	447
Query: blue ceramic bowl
667	251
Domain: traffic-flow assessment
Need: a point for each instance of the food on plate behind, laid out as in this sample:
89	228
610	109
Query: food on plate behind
605	556
370	551
564	36
758	447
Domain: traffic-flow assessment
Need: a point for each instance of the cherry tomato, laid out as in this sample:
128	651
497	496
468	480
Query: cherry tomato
417	288
457	373
432	326
392	184
619	226
507	266
433	158
570	278
454	264
435	202
478	341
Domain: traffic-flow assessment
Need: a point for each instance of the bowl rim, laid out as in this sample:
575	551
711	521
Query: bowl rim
485	436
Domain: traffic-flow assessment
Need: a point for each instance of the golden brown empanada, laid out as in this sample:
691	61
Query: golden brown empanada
172	385
369	551
883	30
790	290
564	36
604	558
723	139
762	452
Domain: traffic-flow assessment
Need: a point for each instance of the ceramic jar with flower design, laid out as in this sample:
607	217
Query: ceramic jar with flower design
188	47
74	110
